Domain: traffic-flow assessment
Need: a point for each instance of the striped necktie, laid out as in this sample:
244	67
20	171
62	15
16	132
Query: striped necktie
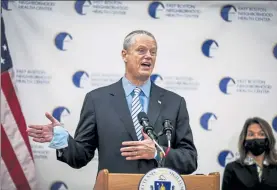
136	108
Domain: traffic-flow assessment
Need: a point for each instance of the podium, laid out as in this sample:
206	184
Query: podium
118	181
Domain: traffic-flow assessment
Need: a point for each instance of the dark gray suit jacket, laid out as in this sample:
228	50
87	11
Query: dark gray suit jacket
105	122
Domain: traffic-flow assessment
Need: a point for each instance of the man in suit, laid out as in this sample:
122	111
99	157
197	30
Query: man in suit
108	120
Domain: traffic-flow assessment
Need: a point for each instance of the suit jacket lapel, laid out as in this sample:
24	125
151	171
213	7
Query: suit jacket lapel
119	103
155	103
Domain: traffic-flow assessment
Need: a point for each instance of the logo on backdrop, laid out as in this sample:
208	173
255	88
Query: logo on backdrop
275	51
81	79
61	113
32	76
83	7
62	40
175	82
274	123
28	5
162	179
207	121
155	8
230	13
226	84
229	85
158	10
5	5
156	78
58	185
209	48
225	157
40	151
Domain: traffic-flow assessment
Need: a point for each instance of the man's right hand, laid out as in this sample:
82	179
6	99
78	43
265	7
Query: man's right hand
43	133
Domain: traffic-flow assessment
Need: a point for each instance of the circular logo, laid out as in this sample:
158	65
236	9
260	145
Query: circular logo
275	51
225	157
80	79
58	185
209	48
228	13
60	113
227	84
274	123
62	39
207	120
162	179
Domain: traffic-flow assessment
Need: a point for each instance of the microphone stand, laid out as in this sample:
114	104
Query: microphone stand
162	157
160	149
167	130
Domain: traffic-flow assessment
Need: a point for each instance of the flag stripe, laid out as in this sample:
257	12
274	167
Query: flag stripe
18	145
6	180
12	163
10	94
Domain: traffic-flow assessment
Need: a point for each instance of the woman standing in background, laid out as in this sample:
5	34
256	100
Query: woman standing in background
256	169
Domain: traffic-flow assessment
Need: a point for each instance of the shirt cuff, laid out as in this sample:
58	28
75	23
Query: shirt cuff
60	138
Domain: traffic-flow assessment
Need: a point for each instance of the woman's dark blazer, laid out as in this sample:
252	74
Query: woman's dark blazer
245	177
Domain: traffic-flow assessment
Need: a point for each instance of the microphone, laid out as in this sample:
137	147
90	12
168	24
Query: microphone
147	128
168	128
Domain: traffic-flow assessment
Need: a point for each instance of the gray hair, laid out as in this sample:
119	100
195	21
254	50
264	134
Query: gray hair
129	39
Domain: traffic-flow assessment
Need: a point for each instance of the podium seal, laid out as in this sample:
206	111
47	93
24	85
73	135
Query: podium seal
162	179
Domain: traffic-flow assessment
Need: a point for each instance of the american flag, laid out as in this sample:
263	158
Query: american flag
17	163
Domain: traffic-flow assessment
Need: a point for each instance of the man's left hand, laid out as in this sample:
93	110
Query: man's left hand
136	150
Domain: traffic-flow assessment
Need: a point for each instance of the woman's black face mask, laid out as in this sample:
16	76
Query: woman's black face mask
256	146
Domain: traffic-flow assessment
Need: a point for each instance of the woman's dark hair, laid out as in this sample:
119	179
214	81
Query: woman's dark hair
270	153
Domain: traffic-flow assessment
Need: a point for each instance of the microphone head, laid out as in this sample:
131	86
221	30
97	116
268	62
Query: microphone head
167	125
142	117
166	121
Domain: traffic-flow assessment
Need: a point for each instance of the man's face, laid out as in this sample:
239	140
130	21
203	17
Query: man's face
140	57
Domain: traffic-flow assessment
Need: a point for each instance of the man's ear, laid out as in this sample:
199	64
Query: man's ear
124	55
